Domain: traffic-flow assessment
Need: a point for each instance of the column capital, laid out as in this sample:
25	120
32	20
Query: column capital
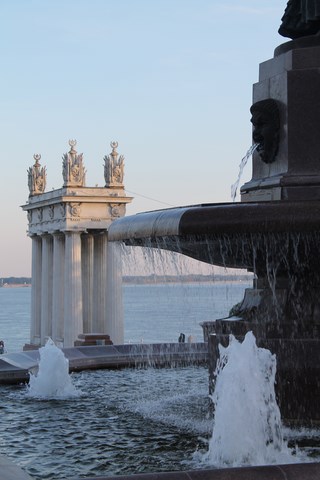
78	231
57	234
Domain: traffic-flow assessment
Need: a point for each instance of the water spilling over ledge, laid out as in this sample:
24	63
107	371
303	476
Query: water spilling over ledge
15	368
221	234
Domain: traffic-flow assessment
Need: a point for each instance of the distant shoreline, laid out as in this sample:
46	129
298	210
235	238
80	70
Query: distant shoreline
157	279
13	282
9	282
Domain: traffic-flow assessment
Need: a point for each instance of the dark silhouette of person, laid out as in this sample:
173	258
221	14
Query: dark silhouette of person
301	18
182	338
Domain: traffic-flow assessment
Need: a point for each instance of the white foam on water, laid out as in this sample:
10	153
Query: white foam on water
247	426
52	380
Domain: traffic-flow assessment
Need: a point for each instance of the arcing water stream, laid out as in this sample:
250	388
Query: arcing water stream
243	163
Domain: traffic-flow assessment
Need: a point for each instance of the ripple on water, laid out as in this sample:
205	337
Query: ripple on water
118	425
124	422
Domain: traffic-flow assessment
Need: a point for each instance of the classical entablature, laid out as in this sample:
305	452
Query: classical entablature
74	208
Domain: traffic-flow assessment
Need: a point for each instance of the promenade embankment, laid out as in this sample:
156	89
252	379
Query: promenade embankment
15	367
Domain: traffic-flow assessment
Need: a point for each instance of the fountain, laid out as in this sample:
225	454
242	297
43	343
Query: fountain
52	379
274	231
249	431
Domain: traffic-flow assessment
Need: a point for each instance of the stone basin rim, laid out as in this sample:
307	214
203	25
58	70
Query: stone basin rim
270	217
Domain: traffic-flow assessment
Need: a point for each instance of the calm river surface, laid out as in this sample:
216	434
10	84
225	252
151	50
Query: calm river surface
153	313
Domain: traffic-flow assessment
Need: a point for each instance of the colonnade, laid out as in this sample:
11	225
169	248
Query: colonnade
76	272
76	287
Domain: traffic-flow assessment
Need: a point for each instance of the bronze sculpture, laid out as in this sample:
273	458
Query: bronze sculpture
301	18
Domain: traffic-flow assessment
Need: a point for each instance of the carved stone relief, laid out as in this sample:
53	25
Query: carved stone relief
40	214
51	212
266	128
63	210
117	210
74	209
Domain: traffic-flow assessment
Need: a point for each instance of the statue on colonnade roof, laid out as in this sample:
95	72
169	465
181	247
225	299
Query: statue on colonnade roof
114	167
73	171
37	177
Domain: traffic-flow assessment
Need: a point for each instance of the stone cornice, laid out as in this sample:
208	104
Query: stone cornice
77	194
75	209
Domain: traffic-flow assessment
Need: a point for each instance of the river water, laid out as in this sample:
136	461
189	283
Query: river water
153	312
122	421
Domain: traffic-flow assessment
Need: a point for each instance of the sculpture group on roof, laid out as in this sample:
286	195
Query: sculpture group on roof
73	171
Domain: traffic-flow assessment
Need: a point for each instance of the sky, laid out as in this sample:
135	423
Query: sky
169	80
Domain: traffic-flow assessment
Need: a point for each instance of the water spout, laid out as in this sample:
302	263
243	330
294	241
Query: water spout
247	424
52	380
243	163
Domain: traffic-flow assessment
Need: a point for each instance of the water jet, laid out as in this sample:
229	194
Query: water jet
52	379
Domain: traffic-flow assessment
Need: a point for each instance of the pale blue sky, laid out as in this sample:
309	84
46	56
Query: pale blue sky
170	80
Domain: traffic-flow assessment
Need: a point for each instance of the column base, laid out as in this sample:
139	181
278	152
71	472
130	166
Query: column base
30	346
86	339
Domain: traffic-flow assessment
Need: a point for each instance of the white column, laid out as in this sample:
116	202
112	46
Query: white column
46	288
36	266
73	320
114	303
87	281
99	283
58	288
